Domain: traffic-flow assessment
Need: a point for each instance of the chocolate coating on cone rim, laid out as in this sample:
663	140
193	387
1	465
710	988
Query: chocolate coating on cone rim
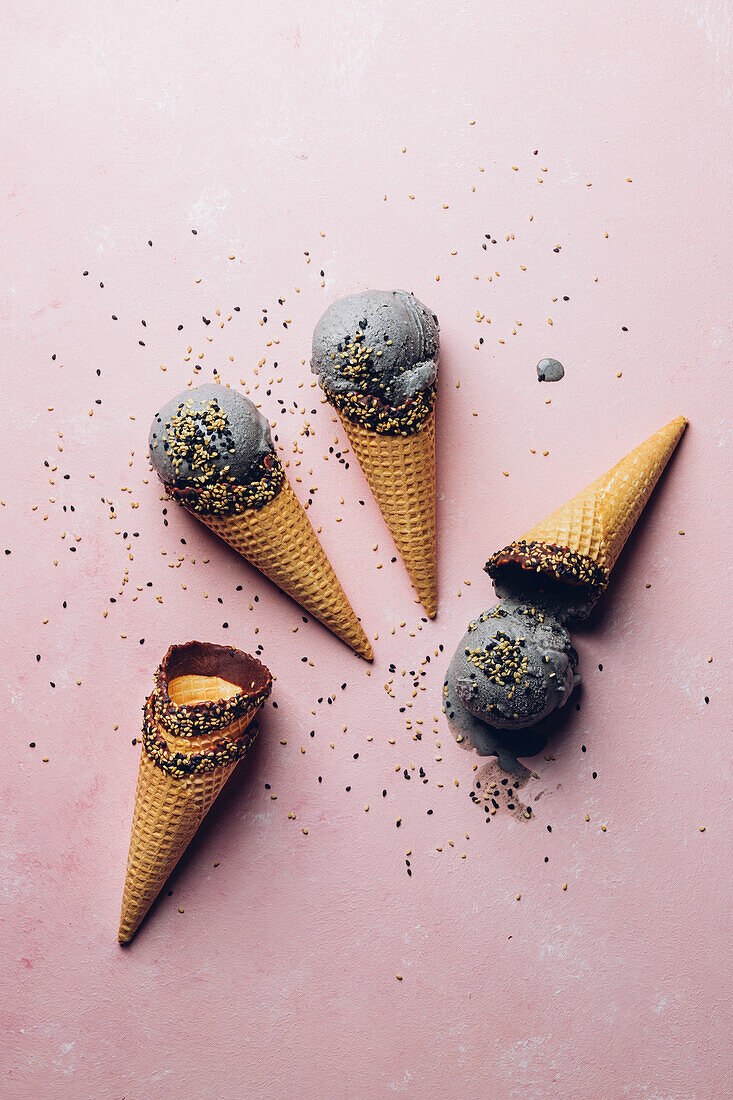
367	410
560	563
162	716
223	498
179	764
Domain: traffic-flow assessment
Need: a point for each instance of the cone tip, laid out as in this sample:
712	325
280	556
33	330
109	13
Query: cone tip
125	934
134	912
131	918
427	596
676	427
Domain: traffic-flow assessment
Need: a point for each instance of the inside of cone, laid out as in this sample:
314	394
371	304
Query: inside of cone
213	672
192	689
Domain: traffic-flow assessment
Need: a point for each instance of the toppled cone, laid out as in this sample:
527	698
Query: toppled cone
196	728
572	552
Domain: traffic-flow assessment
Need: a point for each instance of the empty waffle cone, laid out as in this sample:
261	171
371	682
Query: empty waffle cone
577	546
279	540
400	470
196	729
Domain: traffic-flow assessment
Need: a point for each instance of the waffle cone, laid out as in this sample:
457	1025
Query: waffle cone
279	540
400	470
169	808
598	521
167	815
579	543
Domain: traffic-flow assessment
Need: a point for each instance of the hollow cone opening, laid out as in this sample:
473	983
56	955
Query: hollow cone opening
186	691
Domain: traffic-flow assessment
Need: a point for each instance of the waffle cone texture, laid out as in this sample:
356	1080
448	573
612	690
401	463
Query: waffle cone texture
579	544
400	470
197	727
279	540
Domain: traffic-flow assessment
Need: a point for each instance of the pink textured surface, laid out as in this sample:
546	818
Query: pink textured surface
276	131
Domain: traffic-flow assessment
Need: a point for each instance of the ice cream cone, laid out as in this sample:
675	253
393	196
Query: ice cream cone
212	449
196	729
375	354
279	540
577	546
400	470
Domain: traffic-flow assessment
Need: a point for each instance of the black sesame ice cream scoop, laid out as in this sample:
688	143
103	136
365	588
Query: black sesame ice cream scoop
514	665
206	436
383	343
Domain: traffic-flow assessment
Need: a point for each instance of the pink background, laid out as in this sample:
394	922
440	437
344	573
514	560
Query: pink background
276	130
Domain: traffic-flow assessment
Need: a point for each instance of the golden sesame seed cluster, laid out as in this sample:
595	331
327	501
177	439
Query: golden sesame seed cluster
369	411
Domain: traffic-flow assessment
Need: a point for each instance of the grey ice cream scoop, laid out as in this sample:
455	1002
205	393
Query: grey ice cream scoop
384	343
550	370
514	665
207	435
